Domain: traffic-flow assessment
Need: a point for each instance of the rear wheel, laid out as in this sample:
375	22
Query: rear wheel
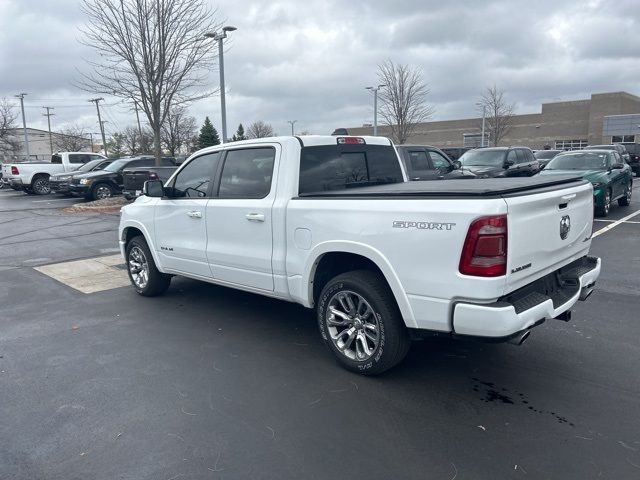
145	277
101	191
603	210
40	185
626	200
361	324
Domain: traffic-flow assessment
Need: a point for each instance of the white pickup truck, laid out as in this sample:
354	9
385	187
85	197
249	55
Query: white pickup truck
33	177
331	223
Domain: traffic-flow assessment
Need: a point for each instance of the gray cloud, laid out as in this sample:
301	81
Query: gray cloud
311	60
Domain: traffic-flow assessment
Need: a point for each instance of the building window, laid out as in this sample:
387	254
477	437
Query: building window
474	140
623	139
571	144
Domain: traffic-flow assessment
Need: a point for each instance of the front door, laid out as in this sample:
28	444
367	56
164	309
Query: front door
181	217
239	218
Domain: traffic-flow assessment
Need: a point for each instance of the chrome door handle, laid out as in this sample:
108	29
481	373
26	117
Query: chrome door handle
255	217
195	214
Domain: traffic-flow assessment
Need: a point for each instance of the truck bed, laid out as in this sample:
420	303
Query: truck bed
481	187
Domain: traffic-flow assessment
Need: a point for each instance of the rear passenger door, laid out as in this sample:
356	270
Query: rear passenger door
239	218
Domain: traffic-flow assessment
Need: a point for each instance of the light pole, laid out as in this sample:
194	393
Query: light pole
292	122
375	106
219	37
484	114
24	124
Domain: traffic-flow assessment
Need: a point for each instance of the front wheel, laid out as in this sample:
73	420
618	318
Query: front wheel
361	324
145	277
626	200
101	191
603	210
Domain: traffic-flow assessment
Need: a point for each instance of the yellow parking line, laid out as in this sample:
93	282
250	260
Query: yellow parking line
615	224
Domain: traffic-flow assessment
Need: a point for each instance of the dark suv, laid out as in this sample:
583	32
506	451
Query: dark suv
634	156
108	182
500	162
428	163
618	147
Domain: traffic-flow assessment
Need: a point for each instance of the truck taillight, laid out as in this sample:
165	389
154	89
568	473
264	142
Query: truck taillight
350	141
484	253
14	171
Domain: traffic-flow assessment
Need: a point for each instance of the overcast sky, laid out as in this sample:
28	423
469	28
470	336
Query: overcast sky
310	60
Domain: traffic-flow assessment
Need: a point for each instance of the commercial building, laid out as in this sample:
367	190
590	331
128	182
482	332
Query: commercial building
39	144
603	118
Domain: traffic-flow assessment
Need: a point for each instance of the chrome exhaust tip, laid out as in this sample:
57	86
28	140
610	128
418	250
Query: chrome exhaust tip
520	338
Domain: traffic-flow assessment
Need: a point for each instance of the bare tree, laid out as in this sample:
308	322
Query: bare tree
9	143
71	139
151	51
177	130
134	144
498	114
259	129
403	99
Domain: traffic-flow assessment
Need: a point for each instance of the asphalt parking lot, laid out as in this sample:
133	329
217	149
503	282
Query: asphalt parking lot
207	382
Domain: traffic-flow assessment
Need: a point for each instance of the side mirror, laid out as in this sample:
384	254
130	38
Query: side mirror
508	163
153	188
457	165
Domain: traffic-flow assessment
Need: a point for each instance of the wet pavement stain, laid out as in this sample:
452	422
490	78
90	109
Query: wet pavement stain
492	393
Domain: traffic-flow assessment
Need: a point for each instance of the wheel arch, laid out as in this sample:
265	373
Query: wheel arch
137	229
333	258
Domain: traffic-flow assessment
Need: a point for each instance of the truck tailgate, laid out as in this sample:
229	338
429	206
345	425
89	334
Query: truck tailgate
134	180
546	231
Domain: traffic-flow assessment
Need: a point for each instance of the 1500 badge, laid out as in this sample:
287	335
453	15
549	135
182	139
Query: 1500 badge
423	225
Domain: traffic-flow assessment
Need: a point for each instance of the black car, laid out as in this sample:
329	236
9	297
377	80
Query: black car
108	182
545	156
134	178
500	162
618	147
633	149
423	162
454	153
59	182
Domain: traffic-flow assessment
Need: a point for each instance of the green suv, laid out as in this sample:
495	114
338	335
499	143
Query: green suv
610	175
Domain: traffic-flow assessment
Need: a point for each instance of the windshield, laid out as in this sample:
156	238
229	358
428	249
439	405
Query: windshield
87	167
493	158
600	147
546	154
579	161
115	166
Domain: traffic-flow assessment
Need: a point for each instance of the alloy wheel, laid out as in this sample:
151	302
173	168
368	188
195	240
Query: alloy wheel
41	186
138	267
629	192
353	325
607	202
102	191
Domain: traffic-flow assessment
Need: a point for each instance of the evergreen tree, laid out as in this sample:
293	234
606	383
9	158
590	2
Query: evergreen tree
208	135
239	135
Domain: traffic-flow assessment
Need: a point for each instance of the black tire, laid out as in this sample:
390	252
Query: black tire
393	340
157	282
40	185
101	191
28	191
603	210
626	200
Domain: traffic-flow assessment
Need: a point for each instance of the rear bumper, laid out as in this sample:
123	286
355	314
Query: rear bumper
15	182
529	306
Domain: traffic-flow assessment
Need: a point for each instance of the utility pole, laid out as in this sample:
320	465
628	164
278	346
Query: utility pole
292	122
104	140
49	115
375	106
24	124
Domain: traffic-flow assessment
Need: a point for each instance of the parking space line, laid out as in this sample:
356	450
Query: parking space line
615	224
634	222
56	200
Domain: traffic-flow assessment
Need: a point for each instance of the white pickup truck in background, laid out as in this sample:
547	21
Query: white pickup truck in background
33	177
332	223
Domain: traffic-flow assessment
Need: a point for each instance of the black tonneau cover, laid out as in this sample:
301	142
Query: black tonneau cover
481	187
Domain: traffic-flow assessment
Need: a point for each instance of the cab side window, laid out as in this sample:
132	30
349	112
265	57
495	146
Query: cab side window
247	173
418	160
79	158
195	179
438	161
